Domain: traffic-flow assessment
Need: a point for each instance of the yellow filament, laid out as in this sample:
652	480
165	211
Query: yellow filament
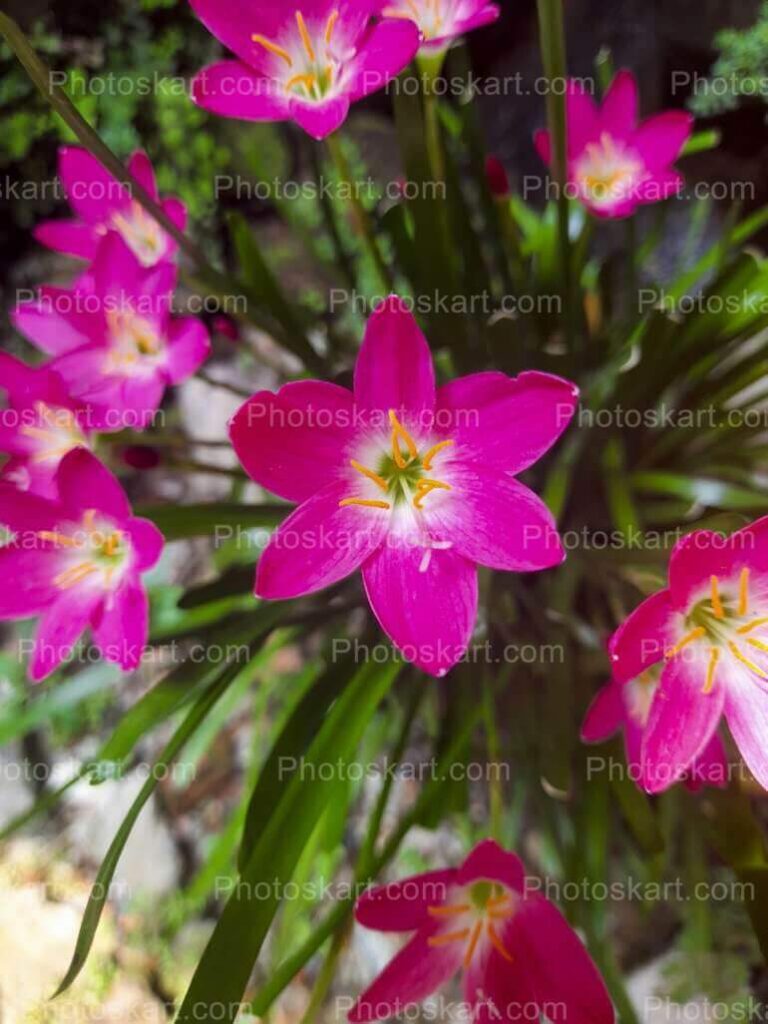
305	38
330	26
429	456
278	51
498	945
695	634
745	660
449	911
89	518
758	645
378	480
39	432
74	575
714	657
744	592
717	604
58	538
399	433
308	81
472	944
364	502
425	487
752	625
442	940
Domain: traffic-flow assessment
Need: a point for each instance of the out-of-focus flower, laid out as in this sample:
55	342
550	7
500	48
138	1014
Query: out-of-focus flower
497	178
39	425
626	708
615	163
710	630
442	21
413	484
113	339
103	204
302	62
141	456
77	562
227	327
516	952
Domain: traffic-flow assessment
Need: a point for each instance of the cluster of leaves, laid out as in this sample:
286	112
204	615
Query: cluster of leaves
740	73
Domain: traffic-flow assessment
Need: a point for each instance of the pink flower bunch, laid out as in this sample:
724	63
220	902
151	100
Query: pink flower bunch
74	551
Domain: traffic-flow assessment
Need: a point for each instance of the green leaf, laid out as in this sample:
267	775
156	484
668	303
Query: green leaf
221	520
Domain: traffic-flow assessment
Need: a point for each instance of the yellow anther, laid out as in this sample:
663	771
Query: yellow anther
399	433
278	51
330	26
305	37
429	456
425	487
717	604
755	624
364	502
446	937
714	657
695	634
744	592
740	656
308	81
378	480
111	544
498	945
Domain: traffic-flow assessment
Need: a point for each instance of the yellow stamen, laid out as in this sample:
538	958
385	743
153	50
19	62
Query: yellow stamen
305	38
472	944
364	502
111	545
449	911
498	945
57	538
330	26
496	901
714	657
758	645
425	487
744	592
308	81
427	460
695	634
378	480
74	575
717	604
446	937
745	660
399	433
278	51
752	625
89	518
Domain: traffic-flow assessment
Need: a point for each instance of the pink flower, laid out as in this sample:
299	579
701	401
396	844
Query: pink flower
306	63
709	629
627	708
103	204
516	952
39	425
497	178
113	339
441	21
614	163
77	562
412	484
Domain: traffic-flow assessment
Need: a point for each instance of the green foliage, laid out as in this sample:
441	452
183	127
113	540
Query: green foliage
740	73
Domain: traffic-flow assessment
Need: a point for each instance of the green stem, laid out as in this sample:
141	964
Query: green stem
359	212
324	979
495	797
224	385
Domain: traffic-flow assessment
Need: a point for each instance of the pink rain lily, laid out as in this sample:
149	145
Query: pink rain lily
442	21
518	955
709	631
39	425
412	484
615	163
77	561
113	339
103	204
627	708
306	63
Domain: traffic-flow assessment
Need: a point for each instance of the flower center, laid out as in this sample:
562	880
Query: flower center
429	17
723	621
137	345
487	903
141	233
403	474
97	549
607	172
310	65
57	430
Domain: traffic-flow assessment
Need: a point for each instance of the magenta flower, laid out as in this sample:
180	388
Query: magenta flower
517	954
441	21
627	707
103	204
39	425
412	484
112	336
614	162
709	629
306	63
77	562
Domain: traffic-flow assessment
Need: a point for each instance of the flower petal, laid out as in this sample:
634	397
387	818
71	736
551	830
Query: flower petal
643	638
746	711
394	369
147	543
403	906
660	139
320	119
543	144
618	114
231	89
72	237
711	767
53	332
188	347
86	483
294	443
497	987
583	118
60	628
122	627
509	422
318	545
605	715
140	167
682	721
425	601
33	590
90	188
488	862
386	50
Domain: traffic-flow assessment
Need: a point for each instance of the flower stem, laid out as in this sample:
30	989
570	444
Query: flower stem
359	212
495	798
430	68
